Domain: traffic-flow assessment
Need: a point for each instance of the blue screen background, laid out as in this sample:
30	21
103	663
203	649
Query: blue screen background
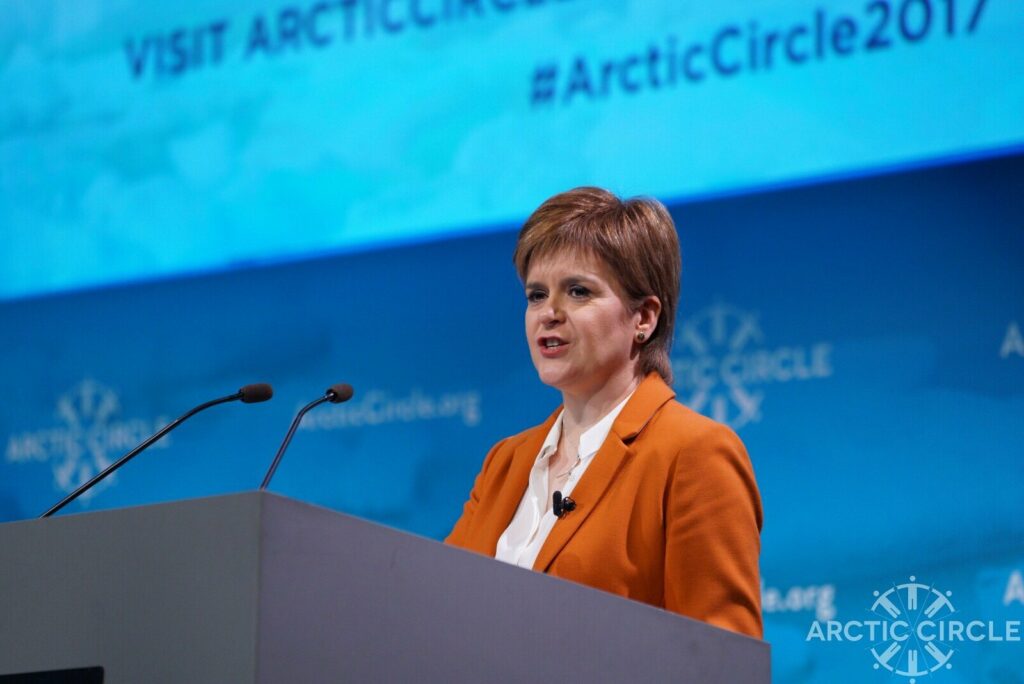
342	204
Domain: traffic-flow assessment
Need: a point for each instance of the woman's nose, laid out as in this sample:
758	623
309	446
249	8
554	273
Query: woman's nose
552	313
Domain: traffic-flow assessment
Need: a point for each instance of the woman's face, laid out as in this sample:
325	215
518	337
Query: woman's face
579	328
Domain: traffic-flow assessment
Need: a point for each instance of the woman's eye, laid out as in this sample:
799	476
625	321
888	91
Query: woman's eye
578	291
535	296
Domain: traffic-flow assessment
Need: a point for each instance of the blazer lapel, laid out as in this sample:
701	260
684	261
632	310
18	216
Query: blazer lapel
613	454
587	493
511	490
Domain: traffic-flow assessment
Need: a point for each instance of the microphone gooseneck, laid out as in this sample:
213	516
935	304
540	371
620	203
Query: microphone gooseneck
250	394
335	394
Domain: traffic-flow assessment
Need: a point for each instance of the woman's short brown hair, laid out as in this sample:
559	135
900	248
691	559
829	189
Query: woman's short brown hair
635	238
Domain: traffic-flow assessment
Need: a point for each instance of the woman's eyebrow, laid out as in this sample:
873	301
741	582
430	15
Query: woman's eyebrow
573	279
568	280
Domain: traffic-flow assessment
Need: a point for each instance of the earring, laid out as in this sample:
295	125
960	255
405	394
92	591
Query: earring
641	336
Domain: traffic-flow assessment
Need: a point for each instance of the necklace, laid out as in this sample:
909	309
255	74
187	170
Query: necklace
571	468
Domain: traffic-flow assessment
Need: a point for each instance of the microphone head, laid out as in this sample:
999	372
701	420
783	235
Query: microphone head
253	394
339	393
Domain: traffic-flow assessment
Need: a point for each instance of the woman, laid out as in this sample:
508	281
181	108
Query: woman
662	504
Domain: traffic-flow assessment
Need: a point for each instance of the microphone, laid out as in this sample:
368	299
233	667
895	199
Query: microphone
250	394
335	394
560	506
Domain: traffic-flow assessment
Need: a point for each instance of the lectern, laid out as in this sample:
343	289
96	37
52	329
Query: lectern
256	587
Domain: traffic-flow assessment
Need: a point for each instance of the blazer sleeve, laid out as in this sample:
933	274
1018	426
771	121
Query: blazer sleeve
713	525
459	534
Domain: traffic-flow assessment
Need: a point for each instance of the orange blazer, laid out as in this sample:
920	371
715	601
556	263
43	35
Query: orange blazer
667	513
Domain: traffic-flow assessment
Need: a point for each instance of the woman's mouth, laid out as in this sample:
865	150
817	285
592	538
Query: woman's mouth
550	347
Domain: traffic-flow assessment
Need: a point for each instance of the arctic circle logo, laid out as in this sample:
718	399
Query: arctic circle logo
721	363
86	410
87	440
915	630
923	608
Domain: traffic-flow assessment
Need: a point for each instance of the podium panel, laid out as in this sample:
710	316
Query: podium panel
255	587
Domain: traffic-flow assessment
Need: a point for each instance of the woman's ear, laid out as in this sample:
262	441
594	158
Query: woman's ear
647	317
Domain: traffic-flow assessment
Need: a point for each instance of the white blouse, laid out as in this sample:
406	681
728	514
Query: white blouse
522	540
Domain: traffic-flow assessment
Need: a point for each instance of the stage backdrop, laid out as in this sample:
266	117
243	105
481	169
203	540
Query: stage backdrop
197	198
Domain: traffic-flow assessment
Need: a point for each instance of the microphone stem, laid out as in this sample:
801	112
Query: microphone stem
134	452
288	438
